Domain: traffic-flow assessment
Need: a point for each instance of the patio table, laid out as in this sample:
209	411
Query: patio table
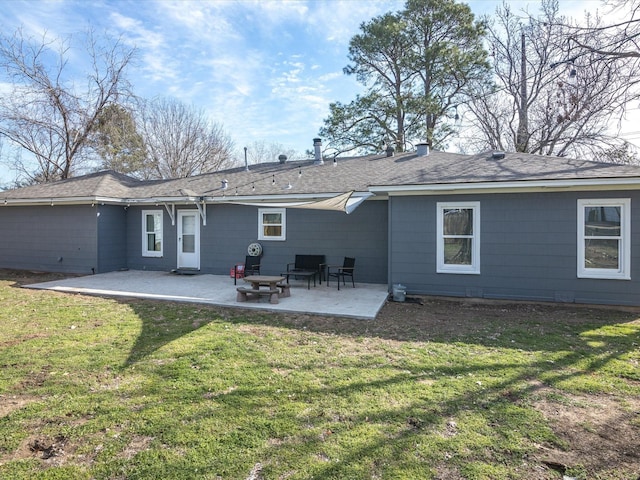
258	281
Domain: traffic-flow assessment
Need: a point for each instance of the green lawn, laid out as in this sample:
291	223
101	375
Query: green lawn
112	389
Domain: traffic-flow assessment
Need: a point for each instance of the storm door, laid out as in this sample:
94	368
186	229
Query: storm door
188	239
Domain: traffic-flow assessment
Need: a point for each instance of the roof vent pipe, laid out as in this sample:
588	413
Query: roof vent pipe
246	163
317	149
390	151
282	158
422	149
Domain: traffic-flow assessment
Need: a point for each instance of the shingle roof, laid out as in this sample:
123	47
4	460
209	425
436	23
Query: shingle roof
101	184
356	173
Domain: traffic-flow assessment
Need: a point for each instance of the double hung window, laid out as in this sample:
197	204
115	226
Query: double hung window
458	234
604	243
272	223
152	233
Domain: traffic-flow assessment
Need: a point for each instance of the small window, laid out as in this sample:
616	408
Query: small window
458	237
604	246
272	224
152	233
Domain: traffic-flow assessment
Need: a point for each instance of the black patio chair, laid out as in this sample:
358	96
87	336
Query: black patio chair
338	272
251	267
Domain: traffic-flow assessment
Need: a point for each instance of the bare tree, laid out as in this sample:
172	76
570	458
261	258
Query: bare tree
180	140
46	113
618	40
544	106
260	151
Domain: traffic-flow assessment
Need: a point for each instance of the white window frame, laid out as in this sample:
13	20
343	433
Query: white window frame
283	215
623	272
145	251
442	267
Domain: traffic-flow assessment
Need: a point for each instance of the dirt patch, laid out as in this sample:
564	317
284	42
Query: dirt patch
25	277
11	403
135	446
47	449
51	451
599	432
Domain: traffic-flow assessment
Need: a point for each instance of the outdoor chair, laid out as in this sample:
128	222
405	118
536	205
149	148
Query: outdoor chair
338	272
251	266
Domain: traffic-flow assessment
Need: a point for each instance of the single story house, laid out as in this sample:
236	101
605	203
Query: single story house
492	225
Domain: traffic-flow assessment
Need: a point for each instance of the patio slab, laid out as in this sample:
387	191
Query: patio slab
364	301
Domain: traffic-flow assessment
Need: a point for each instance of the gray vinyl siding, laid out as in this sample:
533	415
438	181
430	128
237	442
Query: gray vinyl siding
112	238
361	234
135	260
231	228
53	239
528	249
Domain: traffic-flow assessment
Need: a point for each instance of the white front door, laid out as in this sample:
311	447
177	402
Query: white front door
188	239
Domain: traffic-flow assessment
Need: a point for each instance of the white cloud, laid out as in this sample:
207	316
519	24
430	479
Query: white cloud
276	12
200	22
152	46
339	20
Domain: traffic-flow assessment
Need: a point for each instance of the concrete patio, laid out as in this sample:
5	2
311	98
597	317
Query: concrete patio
364	301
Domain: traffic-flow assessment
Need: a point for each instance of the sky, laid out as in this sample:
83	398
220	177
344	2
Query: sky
266	70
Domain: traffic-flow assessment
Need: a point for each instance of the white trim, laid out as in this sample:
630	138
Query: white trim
171	210
283	213
64	201
441	266
623	272
145	251
524	186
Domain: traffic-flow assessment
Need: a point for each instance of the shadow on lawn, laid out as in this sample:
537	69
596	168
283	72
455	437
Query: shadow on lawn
164	322
524	326
579	332
577	340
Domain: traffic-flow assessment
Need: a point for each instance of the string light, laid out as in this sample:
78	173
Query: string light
287	186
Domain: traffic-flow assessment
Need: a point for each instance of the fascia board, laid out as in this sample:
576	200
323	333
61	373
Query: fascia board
61	201
632	183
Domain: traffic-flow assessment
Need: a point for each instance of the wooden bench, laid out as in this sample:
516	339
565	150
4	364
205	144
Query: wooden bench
244	293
